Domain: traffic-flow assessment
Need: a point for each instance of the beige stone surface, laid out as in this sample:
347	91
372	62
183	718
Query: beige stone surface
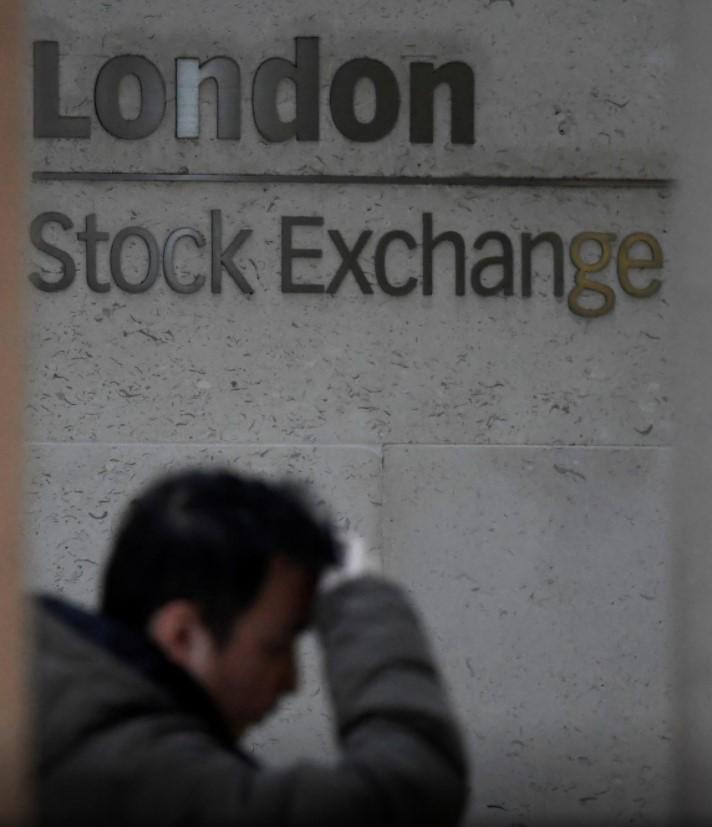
545	579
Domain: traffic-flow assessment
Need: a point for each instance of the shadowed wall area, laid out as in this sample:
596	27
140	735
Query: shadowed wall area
12	219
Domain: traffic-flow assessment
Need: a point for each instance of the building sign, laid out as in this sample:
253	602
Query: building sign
504	266
491	262
303	72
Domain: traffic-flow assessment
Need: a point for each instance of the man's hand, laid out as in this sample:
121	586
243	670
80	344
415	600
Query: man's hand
356	561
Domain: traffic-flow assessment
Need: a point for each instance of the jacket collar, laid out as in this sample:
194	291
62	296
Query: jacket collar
140	654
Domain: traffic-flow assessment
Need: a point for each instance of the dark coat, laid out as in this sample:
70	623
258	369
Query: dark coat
126	738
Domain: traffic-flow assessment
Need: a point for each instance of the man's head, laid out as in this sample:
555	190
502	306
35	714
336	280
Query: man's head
220	570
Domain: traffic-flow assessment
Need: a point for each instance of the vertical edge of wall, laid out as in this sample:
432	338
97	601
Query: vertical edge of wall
13	795
692	371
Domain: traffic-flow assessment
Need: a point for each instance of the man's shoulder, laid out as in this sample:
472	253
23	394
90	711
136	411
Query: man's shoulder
74	651
80	689
93	686
112	746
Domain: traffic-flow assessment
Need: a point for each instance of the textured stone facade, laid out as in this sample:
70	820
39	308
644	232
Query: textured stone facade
506	457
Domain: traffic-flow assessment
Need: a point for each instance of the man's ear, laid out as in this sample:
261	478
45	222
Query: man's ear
179	631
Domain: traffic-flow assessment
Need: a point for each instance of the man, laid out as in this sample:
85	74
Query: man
211	579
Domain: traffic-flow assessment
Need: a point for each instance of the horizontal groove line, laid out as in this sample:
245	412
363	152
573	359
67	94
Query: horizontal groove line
399	180
372	446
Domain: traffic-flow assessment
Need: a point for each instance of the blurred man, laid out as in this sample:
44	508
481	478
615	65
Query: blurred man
211	579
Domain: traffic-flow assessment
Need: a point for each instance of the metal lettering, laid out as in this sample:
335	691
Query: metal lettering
223	257
91	237
583	269
169	249
342	100
424	79
625	264
304	75
153	97
350	262
505	261
289	253
48	123
117	271
429	245
529	244
380	263
69	268
190	76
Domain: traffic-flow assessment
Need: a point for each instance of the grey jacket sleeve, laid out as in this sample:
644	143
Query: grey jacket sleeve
402	761
392	713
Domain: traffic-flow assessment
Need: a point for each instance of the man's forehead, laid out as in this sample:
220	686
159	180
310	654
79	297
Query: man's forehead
289	589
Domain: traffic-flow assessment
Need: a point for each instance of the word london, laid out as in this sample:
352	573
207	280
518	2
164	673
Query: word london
303	74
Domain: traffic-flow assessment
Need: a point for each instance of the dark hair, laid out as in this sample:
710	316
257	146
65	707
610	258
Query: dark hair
209	536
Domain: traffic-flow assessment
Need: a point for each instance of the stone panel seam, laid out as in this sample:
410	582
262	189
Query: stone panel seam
376	448
372	447
519	445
